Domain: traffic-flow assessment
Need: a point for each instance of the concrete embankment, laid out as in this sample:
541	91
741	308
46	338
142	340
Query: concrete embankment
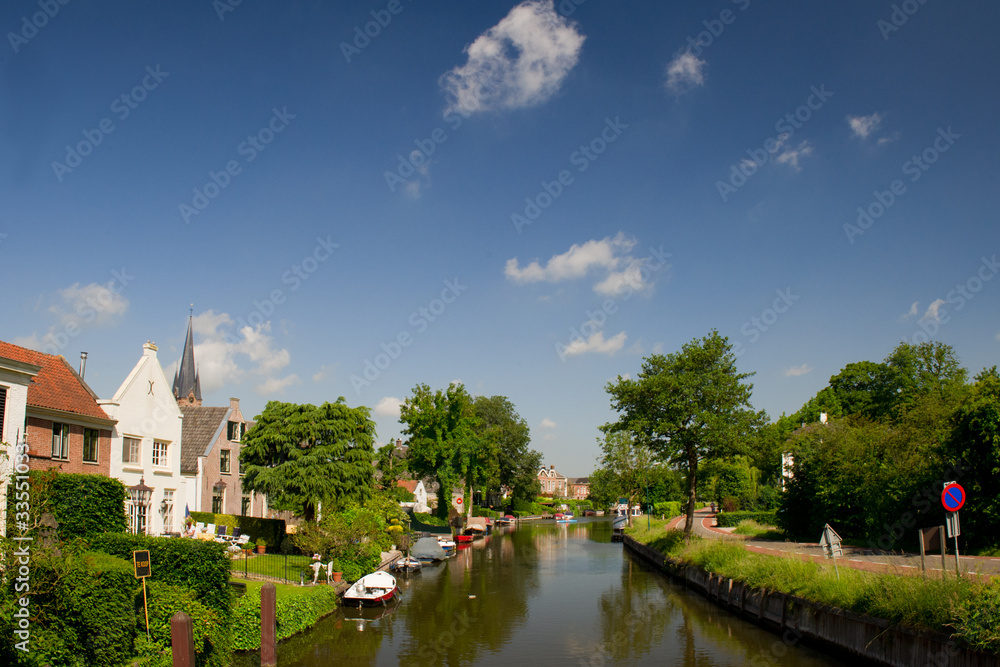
795	618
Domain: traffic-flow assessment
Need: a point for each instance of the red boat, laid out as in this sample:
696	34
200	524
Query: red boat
463	538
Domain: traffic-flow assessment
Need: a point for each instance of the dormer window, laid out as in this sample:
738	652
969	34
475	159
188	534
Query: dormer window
235	431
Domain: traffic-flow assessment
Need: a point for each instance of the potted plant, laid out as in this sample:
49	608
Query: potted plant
336	572
261	545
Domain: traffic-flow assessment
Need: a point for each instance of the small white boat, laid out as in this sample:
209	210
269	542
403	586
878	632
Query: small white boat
371	589
408	564
446	543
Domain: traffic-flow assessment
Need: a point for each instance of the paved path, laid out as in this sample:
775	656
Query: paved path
858	558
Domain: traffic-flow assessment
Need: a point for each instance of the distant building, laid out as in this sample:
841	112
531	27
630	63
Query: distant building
553	483
579	488
416	487
187	384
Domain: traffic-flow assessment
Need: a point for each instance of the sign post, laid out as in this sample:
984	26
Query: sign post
142	570
953	498
830	542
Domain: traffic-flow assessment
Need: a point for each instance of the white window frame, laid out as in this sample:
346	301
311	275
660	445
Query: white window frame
127	445
161	454
63	442
168	515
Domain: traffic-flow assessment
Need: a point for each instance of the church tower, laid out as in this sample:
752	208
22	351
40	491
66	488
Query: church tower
187	386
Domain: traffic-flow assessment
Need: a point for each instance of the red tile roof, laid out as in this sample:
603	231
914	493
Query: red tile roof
408	484
57	386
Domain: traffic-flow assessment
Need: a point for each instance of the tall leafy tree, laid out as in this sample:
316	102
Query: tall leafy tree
506	439
444	441
927	369
303	455
627	463
687	406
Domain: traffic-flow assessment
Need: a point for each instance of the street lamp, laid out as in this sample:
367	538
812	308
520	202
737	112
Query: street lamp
141	496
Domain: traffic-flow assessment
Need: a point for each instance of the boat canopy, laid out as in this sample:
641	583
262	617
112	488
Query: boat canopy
427	548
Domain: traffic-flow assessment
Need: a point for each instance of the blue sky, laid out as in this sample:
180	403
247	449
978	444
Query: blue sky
528	198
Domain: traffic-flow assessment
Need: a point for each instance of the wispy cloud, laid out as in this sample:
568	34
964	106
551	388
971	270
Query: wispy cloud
609	256
388	406
547	423
862	126
790	156
520	62
272	386
933	311
76	308
798	370
685	72
910	313
596	344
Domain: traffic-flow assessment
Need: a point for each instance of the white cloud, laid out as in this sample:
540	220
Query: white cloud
547	423
76	308
791	156
862	126
797	370
934	311
388	406
912	312
222	355
596	343
684	72
520	62
272	386
610	255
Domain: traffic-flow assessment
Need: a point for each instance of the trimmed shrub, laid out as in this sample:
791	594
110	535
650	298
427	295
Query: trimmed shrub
83	505
668	509
294	614
733	519
483	511
211	634
196	564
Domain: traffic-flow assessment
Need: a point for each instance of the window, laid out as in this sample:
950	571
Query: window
245	505
3	408
131	451
160	454
235	431
168	510
137	519
225	459
60	441
91	438
217	498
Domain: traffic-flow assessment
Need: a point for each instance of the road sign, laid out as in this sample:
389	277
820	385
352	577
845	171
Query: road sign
954	530
953	497
141	561
830	541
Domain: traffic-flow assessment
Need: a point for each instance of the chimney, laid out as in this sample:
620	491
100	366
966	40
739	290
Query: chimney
822	418
83	364
399	442
552	467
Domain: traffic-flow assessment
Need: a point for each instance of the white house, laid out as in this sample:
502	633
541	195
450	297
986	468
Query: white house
15	376
146	445
416	487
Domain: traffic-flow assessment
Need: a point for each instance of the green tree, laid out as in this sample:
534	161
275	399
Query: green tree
506	437
444	440
626	463
392	467
602	495
687	406
862	388
303	455
926	368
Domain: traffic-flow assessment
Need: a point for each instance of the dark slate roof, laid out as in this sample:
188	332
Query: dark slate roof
186	378
580	480
201	427
57	385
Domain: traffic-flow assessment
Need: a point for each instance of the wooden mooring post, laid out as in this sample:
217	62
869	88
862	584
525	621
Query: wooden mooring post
268	627
182	640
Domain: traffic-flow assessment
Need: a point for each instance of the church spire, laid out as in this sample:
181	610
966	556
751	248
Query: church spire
187	384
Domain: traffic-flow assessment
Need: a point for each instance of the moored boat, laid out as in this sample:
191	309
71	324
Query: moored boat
408	564
446	543
372	589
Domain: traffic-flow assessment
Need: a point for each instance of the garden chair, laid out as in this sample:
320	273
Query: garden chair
237	545
220	535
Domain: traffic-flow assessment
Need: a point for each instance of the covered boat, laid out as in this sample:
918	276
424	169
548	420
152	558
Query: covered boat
408	564
427	549
374	588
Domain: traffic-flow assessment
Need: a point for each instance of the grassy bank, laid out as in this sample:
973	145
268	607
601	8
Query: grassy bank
960	607
298	608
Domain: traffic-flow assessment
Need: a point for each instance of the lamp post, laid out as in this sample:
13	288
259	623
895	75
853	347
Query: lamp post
141	496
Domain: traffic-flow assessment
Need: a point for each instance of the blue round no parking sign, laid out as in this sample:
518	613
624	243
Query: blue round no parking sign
953	497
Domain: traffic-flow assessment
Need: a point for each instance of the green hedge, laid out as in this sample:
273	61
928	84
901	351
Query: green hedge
81	612
198	565
272	530
83	505
733	519
483	511
211	634
295	613
668	509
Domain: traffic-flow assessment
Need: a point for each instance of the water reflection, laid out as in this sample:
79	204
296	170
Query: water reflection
540	594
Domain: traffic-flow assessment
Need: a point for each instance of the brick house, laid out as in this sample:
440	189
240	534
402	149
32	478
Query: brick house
553	483
66	429
579	488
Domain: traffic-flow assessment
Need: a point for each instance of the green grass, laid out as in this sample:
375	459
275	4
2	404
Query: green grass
639	532
271	565
283	590
758	531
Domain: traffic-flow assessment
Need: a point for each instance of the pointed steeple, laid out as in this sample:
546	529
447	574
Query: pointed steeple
187	385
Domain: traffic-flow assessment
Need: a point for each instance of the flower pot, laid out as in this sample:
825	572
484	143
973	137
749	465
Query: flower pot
261	548
337	576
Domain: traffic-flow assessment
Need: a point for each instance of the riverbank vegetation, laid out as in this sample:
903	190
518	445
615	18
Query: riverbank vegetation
964	607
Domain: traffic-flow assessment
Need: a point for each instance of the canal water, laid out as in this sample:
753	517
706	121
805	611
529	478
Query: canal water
545	594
